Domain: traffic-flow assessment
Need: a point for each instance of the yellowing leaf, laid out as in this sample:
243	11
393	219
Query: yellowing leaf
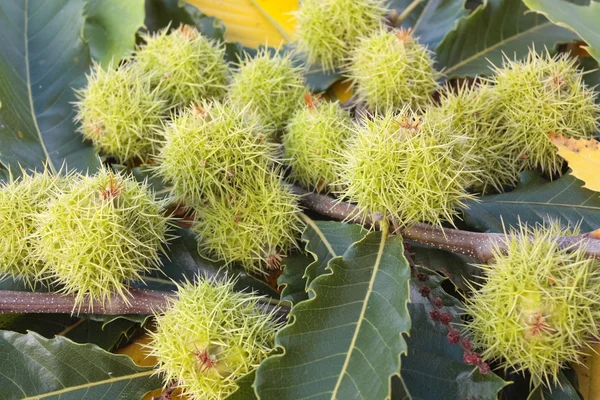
588	374
252	22
583	157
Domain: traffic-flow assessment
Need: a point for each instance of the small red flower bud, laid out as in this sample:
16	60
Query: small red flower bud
472	358
424	291
434	314
422	277
484	368
438	302
466	344
445	318
453	335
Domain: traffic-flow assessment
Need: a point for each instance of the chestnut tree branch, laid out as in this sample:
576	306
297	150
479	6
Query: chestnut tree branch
141	302
475	244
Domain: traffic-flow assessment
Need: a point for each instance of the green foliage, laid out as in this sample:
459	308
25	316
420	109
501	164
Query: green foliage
539	96
110	28
356	318
431	20
495	29
120	112
582	19
104	231
324	241
210	336
538	306
536	200
391	69
328	30
314	142
213	149
21	201
40	63
60	368
407	167
270	85
256	226
186	66
433	368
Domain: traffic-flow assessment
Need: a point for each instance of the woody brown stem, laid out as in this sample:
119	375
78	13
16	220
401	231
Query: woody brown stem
475	244
141	302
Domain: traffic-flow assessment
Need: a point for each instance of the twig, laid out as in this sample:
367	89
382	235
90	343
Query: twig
475	244
407	11
140	302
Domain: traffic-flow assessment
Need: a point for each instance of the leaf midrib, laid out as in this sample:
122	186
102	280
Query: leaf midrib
493	47
91	384
362	314
49	163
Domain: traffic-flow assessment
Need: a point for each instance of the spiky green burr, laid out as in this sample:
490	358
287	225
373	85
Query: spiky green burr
407	167
270	85
255	227
537	309
474	110
211	335
119	112
185	65
21	201
542	95
210	148
314	142
104	231
327	30
390	69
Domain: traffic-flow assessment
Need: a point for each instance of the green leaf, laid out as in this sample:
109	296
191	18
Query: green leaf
107	332
497	27
184	262
43	57
328	239
40	368
582	20
563	391
162	13
110	28
457	267
433	368
292	277
431	20
536	200
347	340
245	390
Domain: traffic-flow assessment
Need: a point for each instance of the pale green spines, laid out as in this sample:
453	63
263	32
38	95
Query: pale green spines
186	66
210	148
20	203
255	227
327	30
474	111
120	112
105	230
270	85
314	142
391	69
537	309
543	95
406	167
210	336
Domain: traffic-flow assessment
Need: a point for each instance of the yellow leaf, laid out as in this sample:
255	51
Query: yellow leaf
583	157
587	371
252	22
